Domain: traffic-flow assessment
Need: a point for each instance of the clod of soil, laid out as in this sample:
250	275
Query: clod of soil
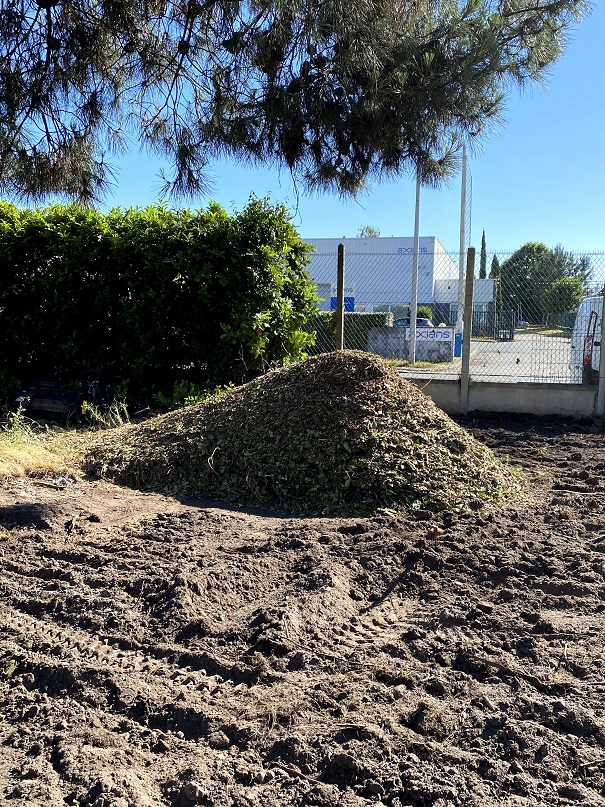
334	433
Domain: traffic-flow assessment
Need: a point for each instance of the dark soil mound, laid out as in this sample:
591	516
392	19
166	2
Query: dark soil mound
336	432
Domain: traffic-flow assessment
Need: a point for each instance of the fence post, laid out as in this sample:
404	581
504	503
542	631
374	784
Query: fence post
340	299
468	329
600	412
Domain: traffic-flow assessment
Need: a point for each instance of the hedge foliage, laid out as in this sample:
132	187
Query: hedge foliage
357	325
151	296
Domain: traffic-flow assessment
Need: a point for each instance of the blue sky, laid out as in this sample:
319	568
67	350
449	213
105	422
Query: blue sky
539	177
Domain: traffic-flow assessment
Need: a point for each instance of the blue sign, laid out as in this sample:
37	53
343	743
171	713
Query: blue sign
349	303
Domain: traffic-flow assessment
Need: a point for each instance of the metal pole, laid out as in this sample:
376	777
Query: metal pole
459	317
600	411
340	299
415	257
468	328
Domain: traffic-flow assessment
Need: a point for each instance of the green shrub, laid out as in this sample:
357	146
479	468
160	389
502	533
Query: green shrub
401	311
357	325
321	327
152	296
185	393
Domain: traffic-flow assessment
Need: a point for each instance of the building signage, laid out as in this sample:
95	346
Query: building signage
410	250
432	334
349	295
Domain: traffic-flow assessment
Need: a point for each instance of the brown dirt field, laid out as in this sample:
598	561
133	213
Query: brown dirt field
156	652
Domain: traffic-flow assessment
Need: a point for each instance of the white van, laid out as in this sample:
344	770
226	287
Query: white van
586	341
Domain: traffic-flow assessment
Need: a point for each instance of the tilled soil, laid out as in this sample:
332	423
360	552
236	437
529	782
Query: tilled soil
156	652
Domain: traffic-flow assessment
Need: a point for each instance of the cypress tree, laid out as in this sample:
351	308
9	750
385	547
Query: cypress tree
483	258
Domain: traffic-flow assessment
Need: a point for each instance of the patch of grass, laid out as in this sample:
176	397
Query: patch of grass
26	449
422	365
546	330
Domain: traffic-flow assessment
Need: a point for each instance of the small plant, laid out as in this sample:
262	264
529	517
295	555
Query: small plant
27	447
112	417
186	393
10	668
19	429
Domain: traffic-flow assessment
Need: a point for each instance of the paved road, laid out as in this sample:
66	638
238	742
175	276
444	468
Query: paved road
530	357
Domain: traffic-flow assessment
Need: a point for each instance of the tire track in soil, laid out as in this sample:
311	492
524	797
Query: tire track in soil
392	665
143	687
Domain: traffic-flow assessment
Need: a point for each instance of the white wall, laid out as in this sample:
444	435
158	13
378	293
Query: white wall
380	269
373	246
445	266
446	290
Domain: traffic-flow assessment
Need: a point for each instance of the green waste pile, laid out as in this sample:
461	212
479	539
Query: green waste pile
336	433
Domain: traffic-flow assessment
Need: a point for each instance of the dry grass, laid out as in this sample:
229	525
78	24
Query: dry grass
29	460
27	450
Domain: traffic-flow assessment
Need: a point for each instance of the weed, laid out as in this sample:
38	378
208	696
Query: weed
100	419
10	668
19	429
27	448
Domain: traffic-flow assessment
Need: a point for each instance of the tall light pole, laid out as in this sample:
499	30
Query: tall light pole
415	256
461	260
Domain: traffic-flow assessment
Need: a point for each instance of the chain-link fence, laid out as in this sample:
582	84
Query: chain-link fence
536	312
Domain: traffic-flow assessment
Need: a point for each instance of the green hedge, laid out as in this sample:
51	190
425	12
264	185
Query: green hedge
151	296
357	326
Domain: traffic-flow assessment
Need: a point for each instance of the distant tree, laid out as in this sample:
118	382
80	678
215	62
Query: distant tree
483	258
560	263
532	270
495	273
368	232
336	92
522	283
495	267
563	295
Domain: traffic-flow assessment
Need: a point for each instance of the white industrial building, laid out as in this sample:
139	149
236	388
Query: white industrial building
378	273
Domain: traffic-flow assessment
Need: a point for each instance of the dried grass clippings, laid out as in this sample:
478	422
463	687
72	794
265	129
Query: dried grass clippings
337	433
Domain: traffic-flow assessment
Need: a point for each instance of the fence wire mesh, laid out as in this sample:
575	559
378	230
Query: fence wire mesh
536	312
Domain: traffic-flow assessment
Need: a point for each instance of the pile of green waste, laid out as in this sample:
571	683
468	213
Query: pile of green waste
337	433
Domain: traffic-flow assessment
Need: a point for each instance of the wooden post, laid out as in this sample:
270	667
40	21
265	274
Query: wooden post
340	299
468	330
